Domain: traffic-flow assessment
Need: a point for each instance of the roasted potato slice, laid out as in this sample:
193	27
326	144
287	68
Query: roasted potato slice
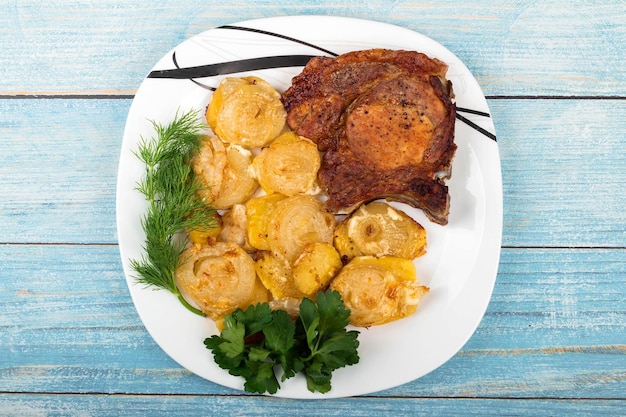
288	165
237	184
315	267
246	112
259	211
297	221
295	235
223	90
378	290
276	274
224	172
219	277
209	165
260	294
234	227
378	229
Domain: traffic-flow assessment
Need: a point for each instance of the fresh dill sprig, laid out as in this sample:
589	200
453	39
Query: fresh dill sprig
171	189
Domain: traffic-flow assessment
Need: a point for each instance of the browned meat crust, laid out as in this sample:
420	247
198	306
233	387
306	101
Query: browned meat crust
385	122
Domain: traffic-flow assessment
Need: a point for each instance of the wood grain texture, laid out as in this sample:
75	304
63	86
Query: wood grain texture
88	47
563	172
59	168
190	406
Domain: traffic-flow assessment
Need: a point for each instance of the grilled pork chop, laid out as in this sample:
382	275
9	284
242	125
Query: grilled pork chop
385	122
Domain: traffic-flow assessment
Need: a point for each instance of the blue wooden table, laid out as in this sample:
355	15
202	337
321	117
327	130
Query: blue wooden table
553	340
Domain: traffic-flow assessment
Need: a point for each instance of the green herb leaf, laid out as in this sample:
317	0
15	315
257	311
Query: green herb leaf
255	318
332	313
261	378
233	344
316	344
310	319
280	339
317	379
171	189
330	345
280	332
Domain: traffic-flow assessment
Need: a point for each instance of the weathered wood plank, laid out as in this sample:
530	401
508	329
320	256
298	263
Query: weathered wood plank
554	329
59	169
562	172
528	48
189	406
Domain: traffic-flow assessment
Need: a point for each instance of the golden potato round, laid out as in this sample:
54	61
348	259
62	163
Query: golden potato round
260	294
378	229
297	221
315	267
378	290
259	212
288	165
275	273
224	173
234	227
208	165
238	184
219	277
247	113
223	90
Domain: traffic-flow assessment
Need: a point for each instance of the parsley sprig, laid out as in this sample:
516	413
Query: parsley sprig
259	342
171	189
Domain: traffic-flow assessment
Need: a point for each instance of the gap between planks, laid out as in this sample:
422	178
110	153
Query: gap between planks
252	396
